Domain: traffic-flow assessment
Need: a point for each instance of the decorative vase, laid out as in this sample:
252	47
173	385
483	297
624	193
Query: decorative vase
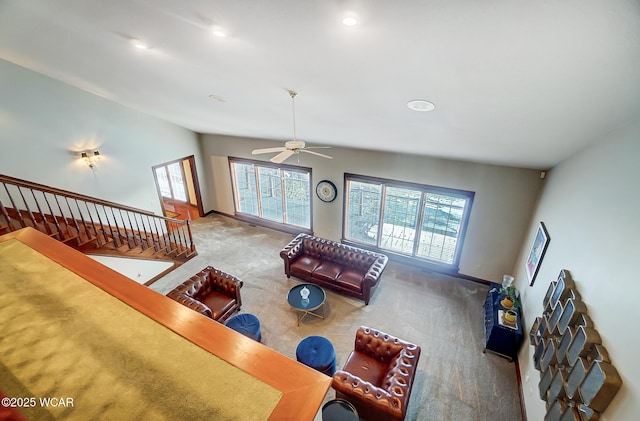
507	280
304	292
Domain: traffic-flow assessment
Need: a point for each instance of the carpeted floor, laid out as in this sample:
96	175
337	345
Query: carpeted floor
442	314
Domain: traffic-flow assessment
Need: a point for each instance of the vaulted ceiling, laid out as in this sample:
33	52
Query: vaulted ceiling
522	83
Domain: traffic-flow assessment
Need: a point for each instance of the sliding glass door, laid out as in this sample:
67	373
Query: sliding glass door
274	193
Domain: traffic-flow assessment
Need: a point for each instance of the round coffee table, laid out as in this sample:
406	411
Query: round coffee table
314	300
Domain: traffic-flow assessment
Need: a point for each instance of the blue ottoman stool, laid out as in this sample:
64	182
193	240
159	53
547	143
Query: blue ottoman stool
317	352
247	324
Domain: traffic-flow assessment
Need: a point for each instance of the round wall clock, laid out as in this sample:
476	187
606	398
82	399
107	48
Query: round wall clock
326	191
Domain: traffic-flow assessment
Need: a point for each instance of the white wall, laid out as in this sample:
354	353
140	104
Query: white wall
590	208
43	123
503	204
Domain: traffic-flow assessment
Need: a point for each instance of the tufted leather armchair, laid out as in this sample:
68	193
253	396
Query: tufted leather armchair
378	375
211	292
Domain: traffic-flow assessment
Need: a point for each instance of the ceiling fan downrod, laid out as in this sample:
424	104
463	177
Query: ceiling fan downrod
293	95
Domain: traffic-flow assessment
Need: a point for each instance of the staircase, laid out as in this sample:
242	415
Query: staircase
91	225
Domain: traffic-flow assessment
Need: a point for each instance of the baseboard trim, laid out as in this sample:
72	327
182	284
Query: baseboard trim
289	229
219	213
474	279
161	274
523	409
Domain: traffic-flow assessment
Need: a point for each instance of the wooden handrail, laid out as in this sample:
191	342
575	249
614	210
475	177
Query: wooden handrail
89	219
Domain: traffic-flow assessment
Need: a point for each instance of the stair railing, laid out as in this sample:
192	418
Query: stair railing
69	216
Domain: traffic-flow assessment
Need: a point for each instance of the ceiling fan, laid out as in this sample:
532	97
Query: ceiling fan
291	147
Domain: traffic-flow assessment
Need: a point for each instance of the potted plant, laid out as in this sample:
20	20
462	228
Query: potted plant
508	296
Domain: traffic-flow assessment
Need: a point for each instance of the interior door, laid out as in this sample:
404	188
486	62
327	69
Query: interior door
177	186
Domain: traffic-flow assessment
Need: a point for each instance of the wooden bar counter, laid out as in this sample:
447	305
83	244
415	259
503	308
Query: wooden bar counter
301	389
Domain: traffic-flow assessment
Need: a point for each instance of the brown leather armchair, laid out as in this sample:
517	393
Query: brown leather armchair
378	375
211	292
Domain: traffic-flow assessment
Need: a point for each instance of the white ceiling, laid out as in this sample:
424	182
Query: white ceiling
515	82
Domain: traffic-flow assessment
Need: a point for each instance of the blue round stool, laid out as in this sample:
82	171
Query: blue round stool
247	324
317	352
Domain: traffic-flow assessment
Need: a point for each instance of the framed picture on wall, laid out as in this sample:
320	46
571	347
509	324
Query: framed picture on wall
536	254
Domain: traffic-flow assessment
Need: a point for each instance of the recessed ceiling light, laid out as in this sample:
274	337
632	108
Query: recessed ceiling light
420	105
218	31
140	44
350	21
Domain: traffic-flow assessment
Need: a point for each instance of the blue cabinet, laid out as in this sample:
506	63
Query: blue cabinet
500	337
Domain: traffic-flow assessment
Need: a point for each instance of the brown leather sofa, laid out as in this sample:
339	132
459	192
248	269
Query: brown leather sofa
349	270
378	375
211	292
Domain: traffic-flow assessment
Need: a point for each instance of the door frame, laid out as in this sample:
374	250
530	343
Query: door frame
193	177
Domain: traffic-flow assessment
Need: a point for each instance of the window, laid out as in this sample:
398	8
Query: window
272	193
412	220
171	181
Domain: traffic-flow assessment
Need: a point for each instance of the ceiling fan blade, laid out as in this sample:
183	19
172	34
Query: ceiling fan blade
316	153
318	147
268	150
282	156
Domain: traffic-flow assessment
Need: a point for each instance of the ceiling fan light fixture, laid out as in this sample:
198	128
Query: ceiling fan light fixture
421	105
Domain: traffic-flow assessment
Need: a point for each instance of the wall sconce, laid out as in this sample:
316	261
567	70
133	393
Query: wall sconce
90	157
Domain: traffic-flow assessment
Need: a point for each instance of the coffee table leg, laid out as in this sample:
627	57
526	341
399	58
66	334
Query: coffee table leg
303	313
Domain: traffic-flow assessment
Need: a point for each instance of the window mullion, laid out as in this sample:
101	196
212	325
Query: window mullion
234	186
168	175
284	198
258	195
383	196
419	219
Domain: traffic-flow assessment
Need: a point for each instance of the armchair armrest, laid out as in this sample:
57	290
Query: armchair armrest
192	303
368	394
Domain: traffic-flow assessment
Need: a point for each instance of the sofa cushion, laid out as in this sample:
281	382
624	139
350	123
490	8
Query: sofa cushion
327	271
305	264
351	279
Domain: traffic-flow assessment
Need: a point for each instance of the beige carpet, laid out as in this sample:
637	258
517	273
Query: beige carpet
444	315
63	337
